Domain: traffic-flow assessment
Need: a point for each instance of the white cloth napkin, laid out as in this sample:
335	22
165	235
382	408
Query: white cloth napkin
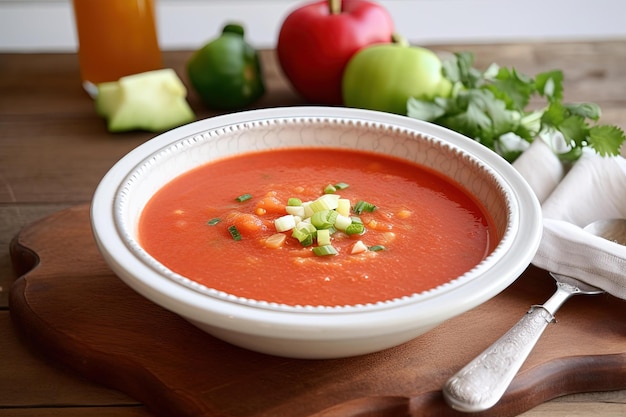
594	188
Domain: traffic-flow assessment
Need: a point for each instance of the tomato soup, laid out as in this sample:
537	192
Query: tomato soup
411	229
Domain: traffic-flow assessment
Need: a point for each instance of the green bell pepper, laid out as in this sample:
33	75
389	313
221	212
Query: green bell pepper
227	72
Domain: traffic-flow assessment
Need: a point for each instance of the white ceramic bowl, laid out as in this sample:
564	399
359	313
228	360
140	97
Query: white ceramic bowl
314	332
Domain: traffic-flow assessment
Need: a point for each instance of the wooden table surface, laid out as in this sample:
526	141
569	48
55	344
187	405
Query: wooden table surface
54	149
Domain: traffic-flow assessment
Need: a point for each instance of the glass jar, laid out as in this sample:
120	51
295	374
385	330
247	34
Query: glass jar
115	38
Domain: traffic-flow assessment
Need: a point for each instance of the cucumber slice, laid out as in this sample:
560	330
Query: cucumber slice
154	101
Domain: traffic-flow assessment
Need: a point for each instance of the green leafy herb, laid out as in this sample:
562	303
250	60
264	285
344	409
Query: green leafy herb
491	107
214	221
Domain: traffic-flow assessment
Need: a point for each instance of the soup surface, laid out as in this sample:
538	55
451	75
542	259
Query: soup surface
217	226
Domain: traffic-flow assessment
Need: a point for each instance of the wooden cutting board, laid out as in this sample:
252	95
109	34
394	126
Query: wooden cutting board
68	304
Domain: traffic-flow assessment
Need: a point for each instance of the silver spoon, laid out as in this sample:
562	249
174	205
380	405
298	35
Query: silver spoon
482	382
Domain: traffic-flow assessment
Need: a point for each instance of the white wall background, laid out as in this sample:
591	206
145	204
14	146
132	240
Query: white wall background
47	25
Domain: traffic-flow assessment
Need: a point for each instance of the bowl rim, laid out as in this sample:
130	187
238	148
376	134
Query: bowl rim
193	304
151	164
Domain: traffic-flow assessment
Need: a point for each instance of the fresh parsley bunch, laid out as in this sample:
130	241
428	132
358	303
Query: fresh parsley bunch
492	108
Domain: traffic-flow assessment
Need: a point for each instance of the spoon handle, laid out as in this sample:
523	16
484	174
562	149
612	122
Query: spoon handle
482	382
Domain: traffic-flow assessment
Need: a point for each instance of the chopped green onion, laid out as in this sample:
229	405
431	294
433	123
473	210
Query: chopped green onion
308	211
315	222
284	223
234	232
295	210
306	225
308	240
294	202
323	237
343	206
243	197
355	229
325	202
304	236
214	221
332	217
324	219
362	206
342	222
325	250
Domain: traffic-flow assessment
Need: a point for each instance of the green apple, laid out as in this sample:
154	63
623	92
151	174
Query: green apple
383	77
154	101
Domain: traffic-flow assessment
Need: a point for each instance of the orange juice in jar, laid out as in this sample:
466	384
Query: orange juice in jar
115	38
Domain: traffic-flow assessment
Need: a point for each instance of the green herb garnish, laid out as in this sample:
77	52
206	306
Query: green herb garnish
294	202
355	228
326	250
362	206
234	232
243	197
491	107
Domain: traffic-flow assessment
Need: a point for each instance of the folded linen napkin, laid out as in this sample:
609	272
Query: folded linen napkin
594	188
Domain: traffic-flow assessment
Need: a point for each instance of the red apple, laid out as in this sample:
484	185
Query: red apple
317	40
